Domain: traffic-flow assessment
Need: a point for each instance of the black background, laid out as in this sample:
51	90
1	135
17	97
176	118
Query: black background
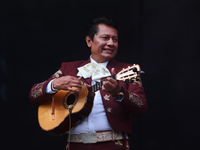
161	35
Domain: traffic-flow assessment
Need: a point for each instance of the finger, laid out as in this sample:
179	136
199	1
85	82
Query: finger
73	78
108	85
71	89
113	71
76	81
111	80
76	85
104	89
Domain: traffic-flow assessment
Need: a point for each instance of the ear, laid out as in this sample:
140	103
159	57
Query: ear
88	41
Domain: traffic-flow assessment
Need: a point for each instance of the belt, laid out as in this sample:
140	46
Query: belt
94	137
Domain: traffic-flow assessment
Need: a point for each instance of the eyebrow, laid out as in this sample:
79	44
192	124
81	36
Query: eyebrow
108	35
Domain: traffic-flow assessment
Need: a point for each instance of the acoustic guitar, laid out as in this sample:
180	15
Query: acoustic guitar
66	109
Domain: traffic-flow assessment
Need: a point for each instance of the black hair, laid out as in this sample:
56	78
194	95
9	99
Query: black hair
92	29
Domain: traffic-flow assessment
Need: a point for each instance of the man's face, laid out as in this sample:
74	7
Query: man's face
105	43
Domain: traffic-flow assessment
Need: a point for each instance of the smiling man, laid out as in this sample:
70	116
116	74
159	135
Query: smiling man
109	122
104	44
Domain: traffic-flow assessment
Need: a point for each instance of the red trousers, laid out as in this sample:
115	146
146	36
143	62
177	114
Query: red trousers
111	145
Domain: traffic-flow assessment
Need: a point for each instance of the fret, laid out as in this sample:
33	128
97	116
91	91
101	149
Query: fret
101	83
97	86
93	89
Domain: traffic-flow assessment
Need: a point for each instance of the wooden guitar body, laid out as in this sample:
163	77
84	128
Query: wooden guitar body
55	116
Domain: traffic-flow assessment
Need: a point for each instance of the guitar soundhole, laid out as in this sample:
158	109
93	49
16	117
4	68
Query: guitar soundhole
70	100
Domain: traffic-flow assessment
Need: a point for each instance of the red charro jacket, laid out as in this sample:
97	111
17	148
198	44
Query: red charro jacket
118	113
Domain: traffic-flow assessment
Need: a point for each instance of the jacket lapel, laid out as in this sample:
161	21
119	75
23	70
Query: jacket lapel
112	64
88	80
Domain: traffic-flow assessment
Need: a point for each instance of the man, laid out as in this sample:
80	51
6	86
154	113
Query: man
110	119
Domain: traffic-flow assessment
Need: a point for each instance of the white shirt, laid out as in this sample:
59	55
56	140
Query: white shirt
97	120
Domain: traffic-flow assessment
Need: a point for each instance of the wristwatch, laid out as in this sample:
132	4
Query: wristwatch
120	95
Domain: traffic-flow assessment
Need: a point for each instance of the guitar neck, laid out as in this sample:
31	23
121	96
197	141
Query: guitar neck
98	85
130	73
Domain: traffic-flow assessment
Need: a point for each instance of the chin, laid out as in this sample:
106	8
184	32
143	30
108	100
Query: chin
107	58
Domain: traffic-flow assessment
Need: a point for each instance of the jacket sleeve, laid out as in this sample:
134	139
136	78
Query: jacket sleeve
134	100
38	93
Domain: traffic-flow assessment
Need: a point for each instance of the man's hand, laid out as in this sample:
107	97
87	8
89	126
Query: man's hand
111	85
66	83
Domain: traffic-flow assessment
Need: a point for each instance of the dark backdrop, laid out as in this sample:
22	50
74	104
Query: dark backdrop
161	35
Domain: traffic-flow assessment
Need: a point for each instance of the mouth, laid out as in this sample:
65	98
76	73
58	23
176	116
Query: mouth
108	50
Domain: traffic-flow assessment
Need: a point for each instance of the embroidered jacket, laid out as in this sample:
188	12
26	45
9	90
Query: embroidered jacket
118	113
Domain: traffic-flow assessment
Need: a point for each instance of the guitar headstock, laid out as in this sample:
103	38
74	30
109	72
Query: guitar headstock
131	72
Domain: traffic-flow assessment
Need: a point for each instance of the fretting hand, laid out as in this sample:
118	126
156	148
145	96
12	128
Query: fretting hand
111	85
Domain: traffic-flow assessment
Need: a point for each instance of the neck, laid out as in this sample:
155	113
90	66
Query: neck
98	60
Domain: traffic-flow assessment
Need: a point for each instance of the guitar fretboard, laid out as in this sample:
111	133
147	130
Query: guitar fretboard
98	85
95	87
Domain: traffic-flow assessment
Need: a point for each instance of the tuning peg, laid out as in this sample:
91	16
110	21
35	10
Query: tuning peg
140	72
137	78
135	70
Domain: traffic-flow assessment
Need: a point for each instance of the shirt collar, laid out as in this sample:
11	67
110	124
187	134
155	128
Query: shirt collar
93	61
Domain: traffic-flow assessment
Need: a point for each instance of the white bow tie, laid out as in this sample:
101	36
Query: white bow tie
97	71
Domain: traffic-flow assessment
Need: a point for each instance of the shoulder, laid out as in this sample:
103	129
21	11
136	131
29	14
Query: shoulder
73	63
70	68
119	64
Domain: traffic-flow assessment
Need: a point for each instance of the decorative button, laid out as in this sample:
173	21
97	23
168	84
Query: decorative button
107	97
119	143
109	109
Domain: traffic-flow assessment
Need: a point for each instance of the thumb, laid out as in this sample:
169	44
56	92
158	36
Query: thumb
113	71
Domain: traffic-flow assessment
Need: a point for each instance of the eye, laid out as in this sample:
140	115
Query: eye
115	39
105	37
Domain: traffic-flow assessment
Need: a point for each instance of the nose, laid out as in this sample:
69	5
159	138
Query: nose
110	42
